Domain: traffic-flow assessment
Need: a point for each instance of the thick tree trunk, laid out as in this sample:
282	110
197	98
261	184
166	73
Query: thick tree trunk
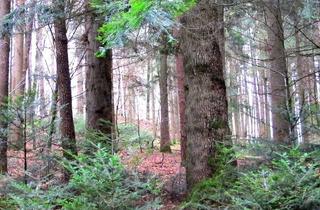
64	88
164	105
4	85
206	98
99	104
279	73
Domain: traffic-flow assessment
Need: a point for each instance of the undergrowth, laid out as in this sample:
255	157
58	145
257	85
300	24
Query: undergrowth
97	182
288	179
131	138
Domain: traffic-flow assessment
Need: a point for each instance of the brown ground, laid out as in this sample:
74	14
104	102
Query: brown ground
167	167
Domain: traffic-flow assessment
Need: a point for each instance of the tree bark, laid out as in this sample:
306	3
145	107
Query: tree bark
19	73
18	77
39	69
148	89
206	98
99	104
182	105
164	104
4	85
64	87
279	73
80	85
302	84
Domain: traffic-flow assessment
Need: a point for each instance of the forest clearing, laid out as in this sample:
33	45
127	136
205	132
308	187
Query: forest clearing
159	104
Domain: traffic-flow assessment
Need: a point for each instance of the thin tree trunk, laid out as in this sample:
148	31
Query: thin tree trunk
266	105
4	85
182	105
80	88
302	71
153	106
148	90
39	69
64	88
163	83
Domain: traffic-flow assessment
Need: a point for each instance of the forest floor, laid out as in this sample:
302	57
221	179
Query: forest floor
167	167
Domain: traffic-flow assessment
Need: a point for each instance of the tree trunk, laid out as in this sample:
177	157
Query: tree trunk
153	106
163	83
148	89
18	77
206	98
279	73
80	85
182	105
4	85
302	84
39	69
19	73
64	88
99	103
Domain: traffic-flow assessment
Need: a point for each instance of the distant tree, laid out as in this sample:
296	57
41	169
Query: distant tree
206	99
4	84
64	85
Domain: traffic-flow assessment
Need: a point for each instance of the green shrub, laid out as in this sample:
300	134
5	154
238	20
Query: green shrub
80	125
290	181
6	203
97	182
130	137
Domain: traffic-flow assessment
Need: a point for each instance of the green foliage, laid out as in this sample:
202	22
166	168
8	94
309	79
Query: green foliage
236	38
97	182
6	203
131	138
124	18
18	113
290	181
80	125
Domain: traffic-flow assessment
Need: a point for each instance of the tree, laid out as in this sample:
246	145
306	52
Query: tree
163	83
99	104
19	73
4	84
279	77
64	86
206	99
182	104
